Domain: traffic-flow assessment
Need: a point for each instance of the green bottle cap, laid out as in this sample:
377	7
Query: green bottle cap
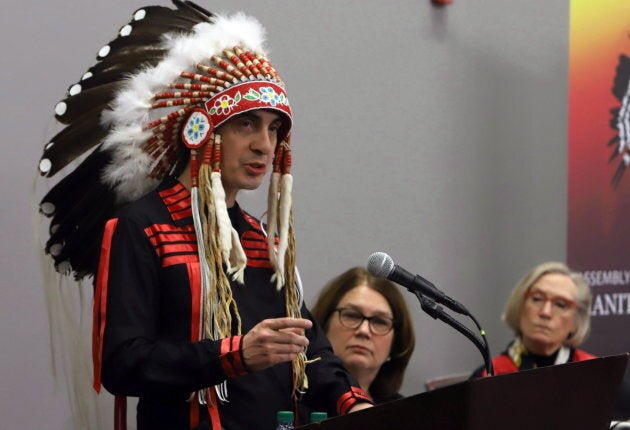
318	416
284	416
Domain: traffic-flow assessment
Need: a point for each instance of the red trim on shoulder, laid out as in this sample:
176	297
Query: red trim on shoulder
173	191
502	364
252	221
581	355
348	400
173	245
158	233
232	356
177	201
100	301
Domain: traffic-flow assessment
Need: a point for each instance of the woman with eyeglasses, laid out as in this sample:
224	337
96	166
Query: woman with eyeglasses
548	311
370	329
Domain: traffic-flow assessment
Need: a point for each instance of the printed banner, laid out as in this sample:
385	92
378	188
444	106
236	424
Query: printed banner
599	165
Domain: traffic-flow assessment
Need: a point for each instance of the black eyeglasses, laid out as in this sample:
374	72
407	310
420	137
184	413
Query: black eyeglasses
351	318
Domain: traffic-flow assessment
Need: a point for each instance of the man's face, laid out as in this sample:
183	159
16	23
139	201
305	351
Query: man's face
248	144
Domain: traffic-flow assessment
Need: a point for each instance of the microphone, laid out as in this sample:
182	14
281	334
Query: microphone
381	265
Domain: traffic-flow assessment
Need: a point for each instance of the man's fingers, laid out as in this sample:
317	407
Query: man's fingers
297	331
288	323
288	336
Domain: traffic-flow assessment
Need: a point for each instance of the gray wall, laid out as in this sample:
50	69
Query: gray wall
437	135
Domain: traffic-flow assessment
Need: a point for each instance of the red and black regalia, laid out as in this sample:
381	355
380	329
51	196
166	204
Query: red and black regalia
179	277
147	324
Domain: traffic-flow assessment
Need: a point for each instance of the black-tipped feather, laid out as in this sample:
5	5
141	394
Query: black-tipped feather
86	101
127	54
143	41
81	246
82	202
106	72
82	205
77	183
113	73
194	8
73	141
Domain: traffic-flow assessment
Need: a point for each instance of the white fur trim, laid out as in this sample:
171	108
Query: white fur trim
223	219
286	184
239	259
300	287
272	218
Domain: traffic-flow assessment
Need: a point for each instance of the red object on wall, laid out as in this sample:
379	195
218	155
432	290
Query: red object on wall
441	2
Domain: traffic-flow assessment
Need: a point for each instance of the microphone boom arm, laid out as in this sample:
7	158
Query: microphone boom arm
437	312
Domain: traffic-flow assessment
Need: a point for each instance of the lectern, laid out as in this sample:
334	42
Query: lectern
570	396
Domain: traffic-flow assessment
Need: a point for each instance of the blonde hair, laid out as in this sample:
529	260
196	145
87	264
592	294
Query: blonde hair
514	305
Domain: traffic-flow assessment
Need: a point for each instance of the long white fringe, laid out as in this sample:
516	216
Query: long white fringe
286	185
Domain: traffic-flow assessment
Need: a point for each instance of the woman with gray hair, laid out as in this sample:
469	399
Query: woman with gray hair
548	311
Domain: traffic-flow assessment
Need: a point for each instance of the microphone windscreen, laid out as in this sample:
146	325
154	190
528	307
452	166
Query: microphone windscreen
380	265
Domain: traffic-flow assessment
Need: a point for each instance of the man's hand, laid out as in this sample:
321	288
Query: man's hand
274	341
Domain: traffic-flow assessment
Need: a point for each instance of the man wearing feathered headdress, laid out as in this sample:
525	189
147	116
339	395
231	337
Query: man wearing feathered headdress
198	309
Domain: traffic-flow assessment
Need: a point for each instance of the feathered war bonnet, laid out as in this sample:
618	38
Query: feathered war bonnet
155	100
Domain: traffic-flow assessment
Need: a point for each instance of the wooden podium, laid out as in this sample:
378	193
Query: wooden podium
575	396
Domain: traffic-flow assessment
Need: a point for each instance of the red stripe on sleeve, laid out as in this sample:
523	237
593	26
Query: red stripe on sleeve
225	358
349	399
194	277
231	356
342	403
239	362
100	301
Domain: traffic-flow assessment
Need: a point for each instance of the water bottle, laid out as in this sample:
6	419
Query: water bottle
318	416
285	420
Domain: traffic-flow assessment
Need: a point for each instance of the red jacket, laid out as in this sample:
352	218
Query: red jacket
504	364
